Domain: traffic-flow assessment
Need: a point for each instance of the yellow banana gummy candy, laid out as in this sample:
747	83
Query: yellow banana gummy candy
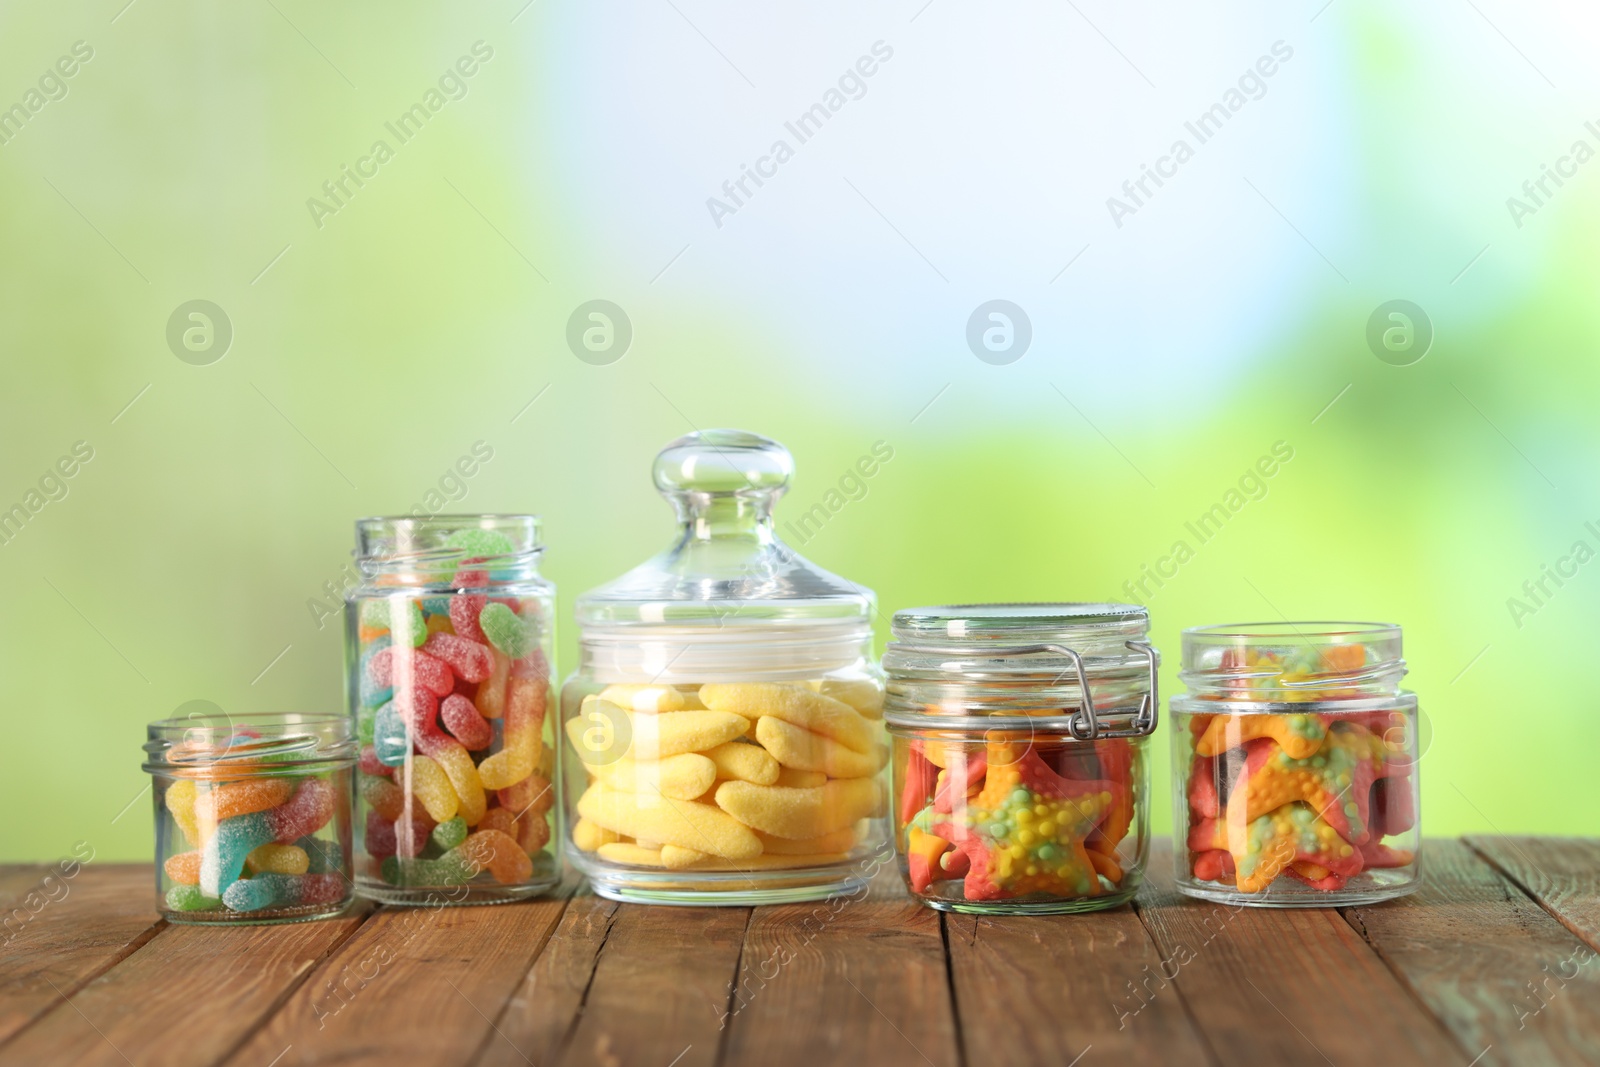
685	823
800	813
793	704
803	750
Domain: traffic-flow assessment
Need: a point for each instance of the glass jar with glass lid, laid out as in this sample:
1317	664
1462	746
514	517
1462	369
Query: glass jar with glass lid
1294	759
721	741
1020	771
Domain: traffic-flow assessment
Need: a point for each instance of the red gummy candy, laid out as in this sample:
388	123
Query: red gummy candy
467	658
389	666
302	814
461	718
380	841
370	765
464	611
921	776
411	835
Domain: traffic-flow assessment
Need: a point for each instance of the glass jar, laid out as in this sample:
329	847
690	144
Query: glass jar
722	734
1294	759
252	817
448	651
1019	737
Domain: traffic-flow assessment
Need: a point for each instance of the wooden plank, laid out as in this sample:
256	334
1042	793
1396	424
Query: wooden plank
17	880
1503	976
145	1009
1046	989
414	986
857	979
1562	873
541	1013
1285	986
660	987
100	915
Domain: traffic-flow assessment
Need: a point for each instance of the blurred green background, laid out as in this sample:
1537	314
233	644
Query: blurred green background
373	345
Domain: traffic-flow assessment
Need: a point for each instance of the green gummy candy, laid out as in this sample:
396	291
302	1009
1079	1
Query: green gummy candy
447	870
190	898
480	543
447	835
506	630
402	618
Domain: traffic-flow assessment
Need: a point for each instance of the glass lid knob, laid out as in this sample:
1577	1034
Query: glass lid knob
723	463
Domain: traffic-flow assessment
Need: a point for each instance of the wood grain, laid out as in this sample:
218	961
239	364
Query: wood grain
1562	873
1285	986
1043	989
1500	973
859	979
100	915
542	1011
414	986
660	987
144	1009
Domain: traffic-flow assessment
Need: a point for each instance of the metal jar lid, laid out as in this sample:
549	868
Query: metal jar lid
1064	651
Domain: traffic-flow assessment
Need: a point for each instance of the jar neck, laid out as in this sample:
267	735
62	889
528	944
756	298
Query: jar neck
449	551
222	746
711	516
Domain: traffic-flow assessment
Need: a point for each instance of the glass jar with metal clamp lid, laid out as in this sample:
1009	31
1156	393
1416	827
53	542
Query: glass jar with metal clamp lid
1019	754
1294	765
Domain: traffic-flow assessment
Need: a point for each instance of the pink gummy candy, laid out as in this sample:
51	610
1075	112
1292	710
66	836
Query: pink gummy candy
462	719
303	814
469	659
395	666
464	611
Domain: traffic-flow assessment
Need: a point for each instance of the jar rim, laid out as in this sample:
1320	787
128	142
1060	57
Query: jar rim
1244	632
1010	619
250	744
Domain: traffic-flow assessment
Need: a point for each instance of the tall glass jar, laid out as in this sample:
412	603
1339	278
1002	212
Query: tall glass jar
722	742
448	649
1019	754
252	816
1294	758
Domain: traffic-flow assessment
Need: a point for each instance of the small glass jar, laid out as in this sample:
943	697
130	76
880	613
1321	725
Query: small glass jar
1019	737
1294	760
448	648
252	817
722	734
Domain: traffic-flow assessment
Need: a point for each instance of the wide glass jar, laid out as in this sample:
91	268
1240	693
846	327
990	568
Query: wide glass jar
721	735
252	817
448	649
1294	759
1019	737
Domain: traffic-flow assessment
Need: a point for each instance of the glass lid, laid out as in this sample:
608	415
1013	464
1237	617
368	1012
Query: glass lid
727	569
1094	629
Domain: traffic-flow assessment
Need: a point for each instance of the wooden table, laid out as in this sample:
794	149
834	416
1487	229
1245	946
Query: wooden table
1492	962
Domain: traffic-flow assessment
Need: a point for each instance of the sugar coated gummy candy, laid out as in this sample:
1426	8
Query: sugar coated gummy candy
190	898
447	835
506	630
480	544
463	720
284	890
223	857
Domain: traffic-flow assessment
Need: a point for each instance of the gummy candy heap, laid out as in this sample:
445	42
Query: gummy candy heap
254	844
1307	796
1024	819
452	692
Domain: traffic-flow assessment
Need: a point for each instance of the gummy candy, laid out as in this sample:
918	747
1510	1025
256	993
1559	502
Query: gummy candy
277	859
469	660
190	898
447	835
396	667
462	719
478	543
284	890
506	630
223	856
